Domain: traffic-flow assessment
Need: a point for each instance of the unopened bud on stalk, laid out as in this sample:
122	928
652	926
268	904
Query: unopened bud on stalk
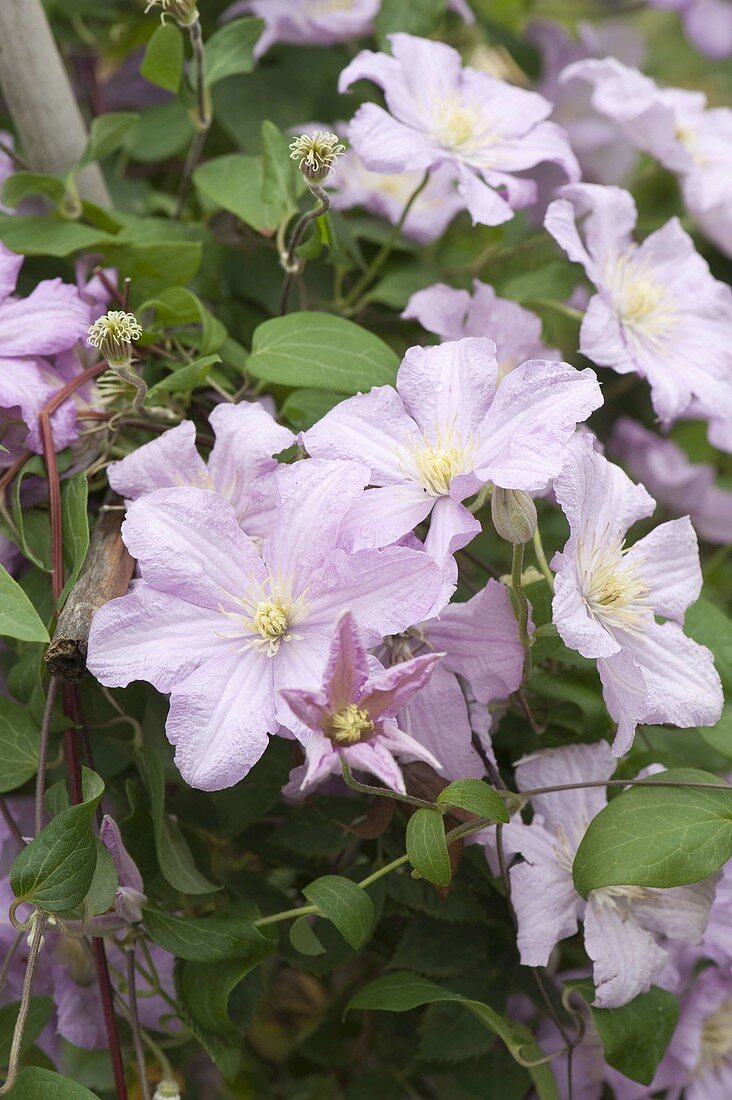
317	153
185	12
114	335
514	515
167	1090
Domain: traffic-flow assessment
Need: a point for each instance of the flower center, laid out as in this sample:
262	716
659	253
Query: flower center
438	460
455	124
349	725
642	305
716	1039
621	898
269	613
272	618
613	592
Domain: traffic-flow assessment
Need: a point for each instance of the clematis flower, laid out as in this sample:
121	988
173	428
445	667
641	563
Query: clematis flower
607	598
453	314
605	155
707	24
50	320
447	429
674	126
658	312
352	715
317	22
686	488
621	923
239	468
224	629
441	113
130	894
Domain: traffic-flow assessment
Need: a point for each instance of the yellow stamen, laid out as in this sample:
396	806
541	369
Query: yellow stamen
349	725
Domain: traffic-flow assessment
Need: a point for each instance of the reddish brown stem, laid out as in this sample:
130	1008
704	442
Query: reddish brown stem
110	1019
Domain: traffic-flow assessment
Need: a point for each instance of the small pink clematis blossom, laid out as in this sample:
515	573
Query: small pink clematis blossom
686	488
675	126
707	24
50	320
225	629
446	430
621	923
453	314
240	466
607	598
318	22
441	113
658	312
352	715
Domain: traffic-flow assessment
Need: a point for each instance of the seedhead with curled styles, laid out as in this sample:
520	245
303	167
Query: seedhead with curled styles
317	153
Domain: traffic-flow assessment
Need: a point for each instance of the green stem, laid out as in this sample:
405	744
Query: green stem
381	792
291	265
541	559
356	292
521	605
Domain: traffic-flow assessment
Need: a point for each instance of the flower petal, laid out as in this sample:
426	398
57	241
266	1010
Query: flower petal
169	461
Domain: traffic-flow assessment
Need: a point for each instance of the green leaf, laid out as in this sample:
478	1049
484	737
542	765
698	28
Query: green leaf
178	307
19	745
720	736
204	994
22	184
345	904
55	871
418	17
236	183
707	624
74	496
104	884
401	992
477	797
155	266
427	847
663	837
106	133
230	50
39	1013
18	617
174	855
303	938
162	131
280	175
635	1037
162	64
38	235
35	1083
232	935
303	408
187	377
321	351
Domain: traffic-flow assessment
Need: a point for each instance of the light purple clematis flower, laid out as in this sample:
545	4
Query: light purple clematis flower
352	715
317	22
224	629
441	113
621	923
686	488
240	467
658	312
130	895
674	126
453	314
607	598
50	320
605	155
446	430
707	24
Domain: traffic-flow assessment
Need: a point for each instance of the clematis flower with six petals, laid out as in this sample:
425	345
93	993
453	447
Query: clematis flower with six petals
239	468
607	598
659	312
352	715
621	923
225	629
446	430
441	113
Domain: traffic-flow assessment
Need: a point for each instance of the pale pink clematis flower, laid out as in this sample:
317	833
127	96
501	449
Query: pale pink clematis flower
240	466
452	314
707	24
446	430
352	715
440	113
658	312
224	628
621	923
607	598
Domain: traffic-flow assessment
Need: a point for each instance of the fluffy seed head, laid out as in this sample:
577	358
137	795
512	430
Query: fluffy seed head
317	153
114	335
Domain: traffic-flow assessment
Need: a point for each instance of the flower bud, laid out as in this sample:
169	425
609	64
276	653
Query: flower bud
185	12
317	153
514	515
114	334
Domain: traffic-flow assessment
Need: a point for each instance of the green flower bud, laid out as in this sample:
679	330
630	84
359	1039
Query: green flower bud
514	515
